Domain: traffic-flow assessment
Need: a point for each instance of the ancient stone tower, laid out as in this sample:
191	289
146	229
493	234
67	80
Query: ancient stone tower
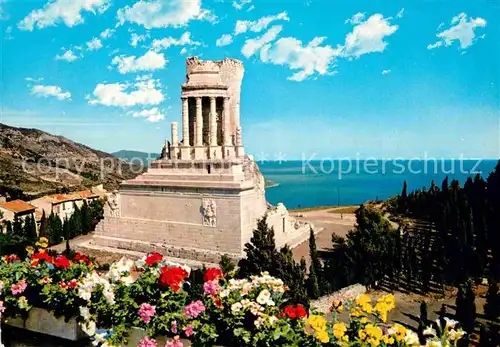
203	197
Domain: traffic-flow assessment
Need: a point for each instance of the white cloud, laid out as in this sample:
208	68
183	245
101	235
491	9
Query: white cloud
462	30
435	45
145	92
385	72
153	115
31	79
68	12
355	19
184	40
368	36
242	3
162	14
224	40
242	26
47	91
308	59
183	50
252	46
135	39
400	13
94	44
106	34
68	55
148	62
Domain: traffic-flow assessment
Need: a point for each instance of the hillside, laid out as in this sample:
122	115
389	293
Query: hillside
34	162
135	157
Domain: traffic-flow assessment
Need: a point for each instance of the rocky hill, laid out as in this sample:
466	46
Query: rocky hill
34	162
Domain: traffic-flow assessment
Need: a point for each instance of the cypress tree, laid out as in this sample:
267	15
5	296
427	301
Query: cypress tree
466	307
315	261
44	229
312	283
30	230
86	218
260	251
493	220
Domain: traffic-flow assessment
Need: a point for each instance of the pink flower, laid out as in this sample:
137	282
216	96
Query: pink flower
211	287
1	286
189	330
173	329
194	309
2	308
147	342
19	287
176	342
146	311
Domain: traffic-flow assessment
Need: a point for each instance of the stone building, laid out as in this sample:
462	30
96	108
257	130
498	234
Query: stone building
63	205
203	197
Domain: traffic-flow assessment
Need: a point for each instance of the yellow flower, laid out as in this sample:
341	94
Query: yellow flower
42	242
339	330
398	331
318	323
389	340
363	299
381	308
356	312
367	308
322	335
389	300
30	250
364	320
337	306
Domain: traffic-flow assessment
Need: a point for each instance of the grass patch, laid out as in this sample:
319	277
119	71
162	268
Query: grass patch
344	209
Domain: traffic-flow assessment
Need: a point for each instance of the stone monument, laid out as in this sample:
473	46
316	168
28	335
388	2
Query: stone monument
203	197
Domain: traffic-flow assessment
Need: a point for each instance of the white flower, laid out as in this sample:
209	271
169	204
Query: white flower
264	297
89	328
433	344
140	263
236	307
124	265
411	338
113	274
84	312
429	331
127	280
273	319
455	335
450	323
259	321
224	293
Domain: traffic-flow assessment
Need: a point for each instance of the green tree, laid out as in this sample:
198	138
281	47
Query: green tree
226	264
492	304
86	218
312	283
30	229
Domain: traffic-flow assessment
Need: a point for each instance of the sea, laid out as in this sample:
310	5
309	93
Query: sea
302	184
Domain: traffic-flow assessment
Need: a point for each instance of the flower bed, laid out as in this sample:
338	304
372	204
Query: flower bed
151	302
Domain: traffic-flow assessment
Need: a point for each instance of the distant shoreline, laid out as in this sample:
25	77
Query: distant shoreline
271	184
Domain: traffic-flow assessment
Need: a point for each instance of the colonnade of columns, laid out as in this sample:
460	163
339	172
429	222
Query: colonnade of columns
199	148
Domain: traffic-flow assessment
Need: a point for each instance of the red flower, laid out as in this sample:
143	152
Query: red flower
218	303
63	284
73	283
212	274
172	277
81	257
295	312
290	312
300	311
62	261
38	257
153	259
11	258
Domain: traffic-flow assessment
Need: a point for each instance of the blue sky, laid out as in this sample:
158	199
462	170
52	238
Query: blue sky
323	78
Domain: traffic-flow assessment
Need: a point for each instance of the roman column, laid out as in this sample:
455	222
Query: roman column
186	150
198	151
213	123
227	123
175	141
